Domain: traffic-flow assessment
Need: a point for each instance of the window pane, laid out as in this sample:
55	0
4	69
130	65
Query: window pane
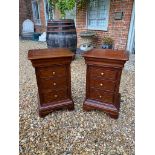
93	3
93	23
102	2
97	14
92	15
36	12
100	23
102	13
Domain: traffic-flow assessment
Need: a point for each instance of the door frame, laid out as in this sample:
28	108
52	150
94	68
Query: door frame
131	34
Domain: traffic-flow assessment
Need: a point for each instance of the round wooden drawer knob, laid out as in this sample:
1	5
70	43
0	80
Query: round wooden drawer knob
55	96
100	96
53	73
54	84
102	74
101	84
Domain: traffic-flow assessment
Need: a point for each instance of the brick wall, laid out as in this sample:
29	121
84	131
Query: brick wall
117	29
42	27
25	12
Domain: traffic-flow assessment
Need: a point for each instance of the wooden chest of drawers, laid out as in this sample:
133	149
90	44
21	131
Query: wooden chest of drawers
104	68
52	68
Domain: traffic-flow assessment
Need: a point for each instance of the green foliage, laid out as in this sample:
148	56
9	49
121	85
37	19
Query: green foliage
66	5
51	8
107	40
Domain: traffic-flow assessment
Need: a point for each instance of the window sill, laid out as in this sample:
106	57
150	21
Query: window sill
97	29
37	24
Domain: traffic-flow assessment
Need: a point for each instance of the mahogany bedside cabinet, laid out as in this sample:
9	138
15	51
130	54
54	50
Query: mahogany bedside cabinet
104	68
53	75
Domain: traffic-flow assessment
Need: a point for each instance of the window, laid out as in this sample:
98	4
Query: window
36	12
46	10
98	14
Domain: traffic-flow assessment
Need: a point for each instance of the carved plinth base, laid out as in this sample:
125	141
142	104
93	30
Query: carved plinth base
111	109
46	109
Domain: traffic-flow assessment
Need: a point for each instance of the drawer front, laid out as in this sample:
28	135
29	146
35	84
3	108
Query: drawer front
54	71
53	83
54	96
101	96
102	84
102	72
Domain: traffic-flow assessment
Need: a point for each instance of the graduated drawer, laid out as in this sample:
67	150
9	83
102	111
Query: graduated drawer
53	83
101	96
54	71
54	96
102	84
102	72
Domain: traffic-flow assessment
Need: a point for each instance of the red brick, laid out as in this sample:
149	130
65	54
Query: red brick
118	30
25	12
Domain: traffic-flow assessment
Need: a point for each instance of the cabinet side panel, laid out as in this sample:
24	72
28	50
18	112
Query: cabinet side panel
87	81
68	77
38	85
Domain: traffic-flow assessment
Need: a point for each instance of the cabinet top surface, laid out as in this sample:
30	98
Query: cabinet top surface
107	54
49	53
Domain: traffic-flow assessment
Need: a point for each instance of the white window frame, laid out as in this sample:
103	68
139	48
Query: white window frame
36	21
105	28
46	19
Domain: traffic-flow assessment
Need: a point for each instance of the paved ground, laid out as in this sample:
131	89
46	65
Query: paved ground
76	132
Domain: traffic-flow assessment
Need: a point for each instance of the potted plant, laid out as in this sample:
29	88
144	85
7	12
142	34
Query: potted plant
107	43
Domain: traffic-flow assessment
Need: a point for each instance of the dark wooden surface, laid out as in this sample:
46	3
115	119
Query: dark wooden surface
52	68
107	54
104	68
49	53
61	33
